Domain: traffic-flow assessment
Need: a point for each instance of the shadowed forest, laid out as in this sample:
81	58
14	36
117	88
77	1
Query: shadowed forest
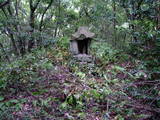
43	75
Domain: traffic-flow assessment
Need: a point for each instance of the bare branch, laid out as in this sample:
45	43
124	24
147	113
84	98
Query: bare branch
4	4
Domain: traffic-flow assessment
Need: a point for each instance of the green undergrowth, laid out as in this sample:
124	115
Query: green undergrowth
106	54
48	84
23	71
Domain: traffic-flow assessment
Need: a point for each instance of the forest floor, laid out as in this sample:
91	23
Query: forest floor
59	96
70	91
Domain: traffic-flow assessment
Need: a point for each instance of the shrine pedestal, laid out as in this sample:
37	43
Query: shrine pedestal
83	58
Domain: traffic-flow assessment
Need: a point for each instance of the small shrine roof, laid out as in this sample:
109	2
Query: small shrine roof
82	33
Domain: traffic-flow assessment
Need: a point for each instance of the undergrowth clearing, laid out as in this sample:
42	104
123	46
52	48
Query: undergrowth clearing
48	85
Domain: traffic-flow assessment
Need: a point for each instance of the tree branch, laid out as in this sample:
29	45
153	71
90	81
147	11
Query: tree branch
41	23
4	4
32	6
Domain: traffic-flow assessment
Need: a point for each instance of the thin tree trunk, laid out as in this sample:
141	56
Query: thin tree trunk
132	18
14	44
114	23
16	7
5	13
58	18
9	9
158	16
32	22
55	32
10	34
4	52
31	41
42	18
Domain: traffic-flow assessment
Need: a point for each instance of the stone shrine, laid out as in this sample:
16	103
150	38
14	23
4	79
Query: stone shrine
80	44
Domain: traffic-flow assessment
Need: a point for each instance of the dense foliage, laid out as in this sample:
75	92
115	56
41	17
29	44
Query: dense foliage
40	80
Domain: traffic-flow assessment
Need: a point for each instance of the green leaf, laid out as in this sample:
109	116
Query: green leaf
63	105
144	7
1	98
81	75
14	101
95	93
118	68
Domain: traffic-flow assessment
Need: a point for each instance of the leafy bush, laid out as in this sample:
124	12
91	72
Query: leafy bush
8	108
63	42
23	71
107	54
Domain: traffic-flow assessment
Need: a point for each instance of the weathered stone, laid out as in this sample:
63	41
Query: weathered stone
83	58
74	47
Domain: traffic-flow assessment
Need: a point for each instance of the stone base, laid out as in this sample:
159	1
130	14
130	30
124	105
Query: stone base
84	58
